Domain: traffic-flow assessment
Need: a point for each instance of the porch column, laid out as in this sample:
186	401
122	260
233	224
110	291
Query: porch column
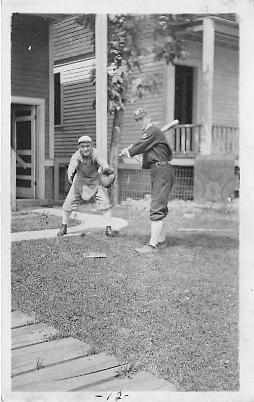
101	83
207	85
169	103
170	94
213	174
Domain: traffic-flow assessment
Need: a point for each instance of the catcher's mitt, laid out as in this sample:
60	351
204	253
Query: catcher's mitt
107	179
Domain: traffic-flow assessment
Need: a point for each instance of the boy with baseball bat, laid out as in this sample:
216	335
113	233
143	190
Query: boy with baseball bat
157	155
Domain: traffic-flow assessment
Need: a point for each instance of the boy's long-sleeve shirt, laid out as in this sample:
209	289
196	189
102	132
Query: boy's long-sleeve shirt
86	168
154	147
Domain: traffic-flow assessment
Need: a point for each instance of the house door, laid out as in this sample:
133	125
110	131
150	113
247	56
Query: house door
24	147
183	94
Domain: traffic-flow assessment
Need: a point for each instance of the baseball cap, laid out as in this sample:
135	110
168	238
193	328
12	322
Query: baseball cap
85	138
139	113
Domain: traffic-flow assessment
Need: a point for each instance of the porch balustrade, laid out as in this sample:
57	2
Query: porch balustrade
185	140
225	140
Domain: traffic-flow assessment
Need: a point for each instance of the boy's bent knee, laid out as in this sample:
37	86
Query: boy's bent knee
69	206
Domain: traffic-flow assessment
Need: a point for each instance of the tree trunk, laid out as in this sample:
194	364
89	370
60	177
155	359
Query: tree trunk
114	152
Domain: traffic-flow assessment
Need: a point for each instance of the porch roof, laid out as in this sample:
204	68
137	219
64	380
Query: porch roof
53	17
226	30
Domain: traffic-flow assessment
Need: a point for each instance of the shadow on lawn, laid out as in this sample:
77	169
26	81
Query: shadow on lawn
187	240
204	240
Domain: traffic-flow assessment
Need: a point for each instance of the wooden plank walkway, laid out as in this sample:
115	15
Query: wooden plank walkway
42	363
31	334
46	354
19	319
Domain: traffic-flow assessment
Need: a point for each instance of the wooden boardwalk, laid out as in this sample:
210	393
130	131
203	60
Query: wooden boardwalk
41	362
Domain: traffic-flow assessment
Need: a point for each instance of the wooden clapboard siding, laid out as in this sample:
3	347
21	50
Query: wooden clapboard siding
71	40
195	52
154	103
74	42
79	117
30	68
226	87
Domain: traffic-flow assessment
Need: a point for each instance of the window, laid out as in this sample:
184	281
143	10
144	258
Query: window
57	98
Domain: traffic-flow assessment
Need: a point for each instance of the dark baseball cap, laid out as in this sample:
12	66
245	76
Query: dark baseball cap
140	113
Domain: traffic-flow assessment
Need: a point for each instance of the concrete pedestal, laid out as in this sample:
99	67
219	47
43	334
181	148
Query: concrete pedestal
214	178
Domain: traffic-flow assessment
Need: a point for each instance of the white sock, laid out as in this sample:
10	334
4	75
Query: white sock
156	227
66	217
162	235
108	217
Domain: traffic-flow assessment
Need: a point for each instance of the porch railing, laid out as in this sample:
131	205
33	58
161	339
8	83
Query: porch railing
185	140
225	140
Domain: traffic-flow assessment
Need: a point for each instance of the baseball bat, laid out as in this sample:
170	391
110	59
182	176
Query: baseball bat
170	125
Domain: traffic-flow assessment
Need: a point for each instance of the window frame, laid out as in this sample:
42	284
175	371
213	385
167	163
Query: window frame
60	123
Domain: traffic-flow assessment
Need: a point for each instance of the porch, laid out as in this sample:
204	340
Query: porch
185	141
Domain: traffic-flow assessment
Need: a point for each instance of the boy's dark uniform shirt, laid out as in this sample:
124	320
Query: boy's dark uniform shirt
154	147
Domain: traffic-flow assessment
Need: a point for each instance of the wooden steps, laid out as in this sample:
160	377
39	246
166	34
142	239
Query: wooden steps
31	334
46	354
41	362
19	319
70	375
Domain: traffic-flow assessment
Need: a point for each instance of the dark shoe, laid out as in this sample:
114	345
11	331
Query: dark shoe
62	231
146	249
110	232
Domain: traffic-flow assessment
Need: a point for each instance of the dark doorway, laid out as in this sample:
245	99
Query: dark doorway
183	94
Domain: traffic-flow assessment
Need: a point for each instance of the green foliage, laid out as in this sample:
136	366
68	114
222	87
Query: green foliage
168	45
39	363
126	83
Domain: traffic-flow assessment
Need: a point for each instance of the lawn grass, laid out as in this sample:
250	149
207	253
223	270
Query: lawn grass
28	221
174	314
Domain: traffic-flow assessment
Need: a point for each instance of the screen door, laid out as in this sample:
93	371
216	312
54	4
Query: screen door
25	154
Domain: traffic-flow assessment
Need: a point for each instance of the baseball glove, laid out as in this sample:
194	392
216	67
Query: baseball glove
107	179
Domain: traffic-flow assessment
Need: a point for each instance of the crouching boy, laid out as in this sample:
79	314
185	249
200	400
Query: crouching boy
83	173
